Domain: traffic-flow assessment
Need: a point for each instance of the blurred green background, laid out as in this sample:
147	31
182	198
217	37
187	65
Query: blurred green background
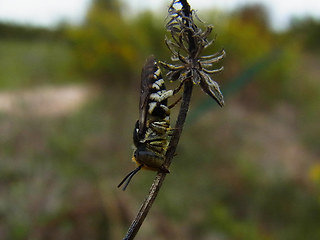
69	101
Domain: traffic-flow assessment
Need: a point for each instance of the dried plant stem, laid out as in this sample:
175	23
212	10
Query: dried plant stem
155	188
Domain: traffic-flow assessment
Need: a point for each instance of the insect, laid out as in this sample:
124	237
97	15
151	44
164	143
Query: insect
152	131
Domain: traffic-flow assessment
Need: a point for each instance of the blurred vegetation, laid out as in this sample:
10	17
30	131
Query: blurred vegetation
107	42
32	56
13	31
247	171
308	31
36	62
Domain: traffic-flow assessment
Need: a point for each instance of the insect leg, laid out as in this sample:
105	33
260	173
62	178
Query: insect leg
175	103
175	91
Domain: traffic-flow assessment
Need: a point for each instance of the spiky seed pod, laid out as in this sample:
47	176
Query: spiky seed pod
186	44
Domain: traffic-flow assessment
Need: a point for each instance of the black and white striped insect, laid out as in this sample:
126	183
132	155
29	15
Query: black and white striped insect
152	131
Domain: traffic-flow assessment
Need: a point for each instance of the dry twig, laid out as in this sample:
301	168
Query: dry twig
192	40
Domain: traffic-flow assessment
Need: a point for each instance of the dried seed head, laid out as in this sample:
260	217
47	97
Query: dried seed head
186	46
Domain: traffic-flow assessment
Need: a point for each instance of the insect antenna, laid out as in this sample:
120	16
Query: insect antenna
128	178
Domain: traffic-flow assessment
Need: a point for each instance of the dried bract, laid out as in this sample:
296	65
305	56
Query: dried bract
186	44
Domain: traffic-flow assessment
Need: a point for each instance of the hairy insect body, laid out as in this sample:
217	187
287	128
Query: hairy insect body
152	139
152	131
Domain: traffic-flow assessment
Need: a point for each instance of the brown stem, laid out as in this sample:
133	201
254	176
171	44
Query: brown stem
155	188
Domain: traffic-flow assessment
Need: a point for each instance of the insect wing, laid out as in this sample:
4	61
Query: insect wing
147	80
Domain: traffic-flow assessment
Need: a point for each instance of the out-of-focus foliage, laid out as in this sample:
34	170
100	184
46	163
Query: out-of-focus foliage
247	171
306	30
248	39
303	88
108	46
14	31
247	36
30	63
31	56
